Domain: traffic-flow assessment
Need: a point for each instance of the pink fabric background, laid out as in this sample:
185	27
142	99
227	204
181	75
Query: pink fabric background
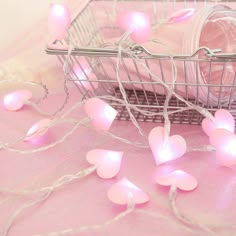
85	202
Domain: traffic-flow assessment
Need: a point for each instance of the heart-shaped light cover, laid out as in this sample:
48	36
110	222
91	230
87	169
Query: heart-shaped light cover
107	162
222	120
179	179
38	129
181	15
14	101
172	149
225	143
125	191
101	114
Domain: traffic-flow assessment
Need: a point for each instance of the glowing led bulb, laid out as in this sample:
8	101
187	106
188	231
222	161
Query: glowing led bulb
14	101
107	162
138	20
165	154
137	23
58	21
113	156
230	147
102	114
174	147
109	113
125	191
58	10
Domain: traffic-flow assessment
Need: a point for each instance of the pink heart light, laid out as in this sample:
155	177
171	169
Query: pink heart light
84	76
181	15
108	162
178	178
38	129
58	20
223	119
137	23
14	101
101	113
174	148
225	143
125	191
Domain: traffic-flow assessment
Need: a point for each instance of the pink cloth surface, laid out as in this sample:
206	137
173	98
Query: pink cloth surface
85	202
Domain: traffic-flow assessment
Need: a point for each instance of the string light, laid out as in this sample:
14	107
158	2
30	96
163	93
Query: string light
222	119
121	192
107	162
58	20
39	129
177	178
101	113
172	149
225	143
137	23
84	76
181	15
14	101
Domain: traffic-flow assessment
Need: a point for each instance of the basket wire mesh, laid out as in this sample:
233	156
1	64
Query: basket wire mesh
88	37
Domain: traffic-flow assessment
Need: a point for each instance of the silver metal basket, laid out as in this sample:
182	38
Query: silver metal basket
87	35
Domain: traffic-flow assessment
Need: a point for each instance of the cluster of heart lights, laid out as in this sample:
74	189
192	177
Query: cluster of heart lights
15	101
107	162
220	130
138	24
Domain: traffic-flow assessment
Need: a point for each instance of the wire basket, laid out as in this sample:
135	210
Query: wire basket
88	36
